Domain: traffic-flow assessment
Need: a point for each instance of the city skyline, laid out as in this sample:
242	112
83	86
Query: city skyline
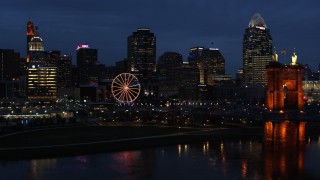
178	26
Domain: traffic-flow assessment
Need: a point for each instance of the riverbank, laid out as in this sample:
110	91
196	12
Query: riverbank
46	143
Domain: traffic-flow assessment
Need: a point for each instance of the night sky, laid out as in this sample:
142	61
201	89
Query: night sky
177	24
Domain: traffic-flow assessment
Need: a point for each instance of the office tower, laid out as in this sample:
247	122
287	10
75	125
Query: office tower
210	62
41	79
87	58
9	73
188	79
168	67
30	34
64	71
42	83
142	58
9	65
257	51
36	54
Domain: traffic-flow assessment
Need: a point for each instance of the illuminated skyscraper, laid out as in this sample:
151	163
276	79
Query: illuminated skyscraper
42	83
257	51
30	34
41	79
142	58
36	55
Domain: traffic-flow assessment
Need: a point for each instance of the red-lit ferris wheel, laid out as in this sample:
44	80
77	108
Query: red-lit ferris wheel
125	88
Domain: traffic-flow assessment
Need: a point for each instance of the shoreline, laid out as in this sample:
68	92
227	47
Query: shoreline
122	144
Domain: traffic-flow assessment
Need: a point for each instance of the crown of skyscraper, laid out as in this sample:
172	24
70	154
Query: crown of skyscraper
257	21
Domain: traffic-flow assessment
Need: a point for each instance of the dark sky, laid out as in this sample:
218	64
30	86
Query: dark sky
177	24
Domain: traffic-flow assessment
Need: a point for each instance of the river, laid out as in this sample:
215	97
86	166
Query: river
288	150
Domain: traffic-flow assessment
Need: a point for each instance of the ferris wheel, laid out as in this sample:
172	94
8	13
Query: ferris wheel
125	88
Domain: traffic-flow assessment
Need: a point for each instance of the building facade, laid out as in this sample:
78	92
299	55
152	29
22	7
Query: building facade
41	78
64	71
210	62
87	59
9	65
142	59
168	68
257	51
30	34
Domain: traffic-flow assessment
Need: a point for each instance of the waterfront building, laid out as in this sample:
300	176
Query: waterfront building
142	59
257	51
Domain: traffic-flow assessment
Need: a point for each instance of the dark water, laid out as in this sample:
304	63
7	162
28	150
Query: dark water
285	152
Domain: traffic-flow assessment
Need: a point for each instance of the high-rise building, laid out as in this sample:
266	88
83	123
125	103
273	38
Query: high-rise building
41	79
9	65
42	83
9	73
36	54
87	58
257	51
168	68
142	58
64	71
30	34
188	79
210	62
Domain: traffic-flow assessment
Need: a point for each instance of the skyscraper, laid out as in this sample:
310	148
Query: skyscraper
9	73
168	68
36	54
87	58
64	71
9	65
257	51
41	79
142	58
30	34
209	61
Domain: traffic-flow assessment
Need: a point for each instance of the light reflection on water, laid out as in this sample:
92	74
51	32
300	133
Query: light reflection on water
285	152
